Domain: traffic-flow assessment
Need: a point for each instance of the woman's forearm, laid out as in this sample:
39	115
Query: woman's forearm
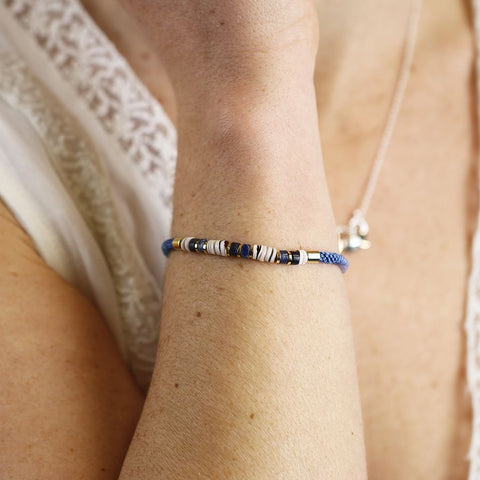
255	375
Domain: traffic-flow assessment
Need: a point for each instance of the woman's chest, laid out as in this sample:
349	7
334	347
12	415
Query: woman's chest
408	299
408	291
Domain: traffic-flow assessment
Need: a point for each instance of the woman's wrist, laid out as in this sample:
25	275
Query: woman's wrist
242	167
214	103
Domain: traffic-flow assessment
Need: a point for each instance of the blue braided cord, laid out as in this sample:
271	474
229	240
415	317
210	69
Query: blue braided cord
336	258
325	257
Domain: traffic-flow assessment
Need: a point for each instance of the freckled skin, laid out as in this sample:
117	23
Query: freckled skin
384	448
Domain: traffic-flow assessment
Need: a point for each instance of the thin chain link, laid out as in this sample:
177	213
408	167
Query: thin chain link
400	88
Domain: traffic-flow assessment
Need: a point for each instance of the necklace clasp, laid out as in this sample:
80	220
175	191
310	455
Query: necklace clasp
354	235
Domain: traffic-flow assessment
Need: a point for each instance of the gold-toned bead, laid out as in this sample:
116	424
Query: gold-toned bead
227	247
176	242
290	257
277	257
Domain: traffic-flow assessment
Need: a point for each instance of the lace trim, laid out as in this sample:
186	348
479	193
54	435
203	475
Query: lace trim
90	63
81	171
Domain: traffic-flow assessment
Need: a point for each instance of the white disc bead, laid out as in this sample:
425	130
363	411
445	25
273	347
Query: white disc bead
184	243
216	247
211	247
303	257
273	255
223	250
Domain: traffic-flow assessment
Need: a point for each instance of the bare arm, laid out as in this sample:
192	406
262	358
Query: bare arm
255	375
68	404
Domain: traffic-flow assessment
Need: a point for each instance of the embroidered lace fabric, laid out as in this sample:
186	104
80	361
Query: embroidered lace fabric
133	119
105	82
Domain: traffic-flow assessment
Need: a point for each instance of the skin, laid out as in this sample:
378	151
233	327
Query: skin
431	162
408	293
68	404
416	415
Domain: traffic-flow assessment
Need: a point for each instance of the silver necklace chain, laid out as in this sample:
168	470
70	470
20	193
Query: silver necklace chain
354	235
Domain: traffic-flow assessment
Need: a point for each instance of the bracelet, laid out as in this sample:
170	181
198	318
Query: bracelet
261	253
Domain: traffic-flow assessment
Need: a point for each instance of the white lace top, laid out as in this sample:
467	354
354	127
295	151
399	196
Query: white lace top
87	163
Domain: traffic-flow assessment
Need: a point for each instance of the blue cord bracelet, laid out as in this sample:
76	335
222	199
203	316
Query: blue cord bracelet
260	253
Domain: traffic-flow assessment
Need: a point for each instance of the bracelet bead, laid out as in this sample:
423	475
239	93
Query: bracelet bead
245	250
303	257
224	247
273	255
283	256
295	257
234	246
191	244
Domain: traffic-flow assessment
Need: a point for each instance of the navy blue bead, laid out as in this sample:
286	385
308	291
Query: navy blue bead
245	250
295	257
283	256
200	245
234	246
191	244
167	245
